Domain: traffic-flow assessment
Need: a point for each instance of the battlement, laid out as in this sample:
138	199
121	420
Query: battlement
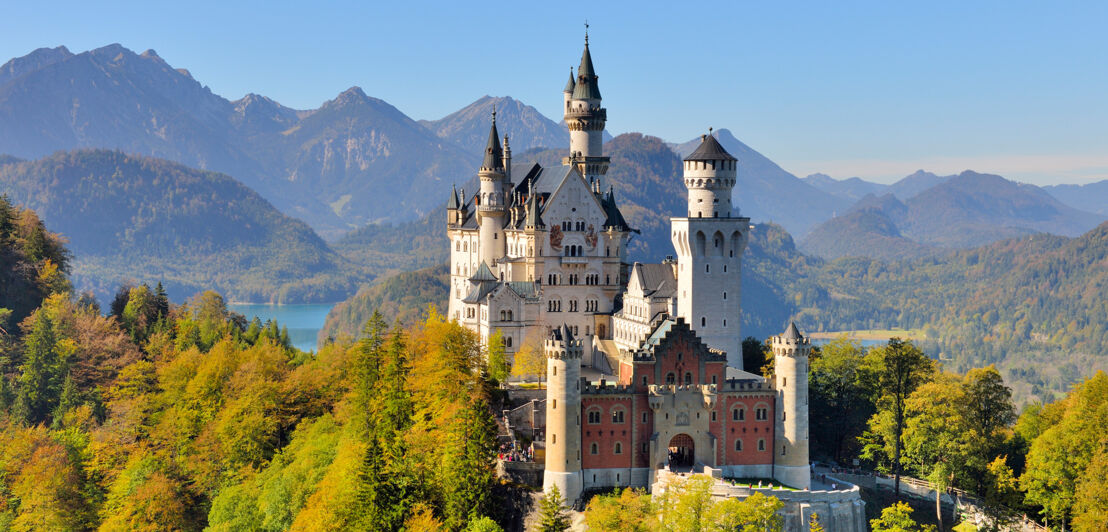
603	388
744	385
586	111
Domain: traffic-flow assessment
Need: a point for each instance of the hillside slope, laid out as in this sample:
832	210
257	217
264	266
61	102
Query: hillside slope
863	232
137	218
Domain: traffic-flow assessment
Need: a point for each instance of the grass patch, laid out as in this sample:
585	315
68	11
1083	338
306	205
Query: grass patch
872	334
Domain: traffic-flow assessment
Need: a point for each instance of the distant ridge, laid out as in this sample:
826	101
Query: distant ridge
149	220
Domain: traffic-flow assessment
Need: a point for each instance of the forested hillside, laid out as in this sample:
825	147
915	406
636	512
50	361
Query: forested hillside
1032	305
406	297
188	417
149	219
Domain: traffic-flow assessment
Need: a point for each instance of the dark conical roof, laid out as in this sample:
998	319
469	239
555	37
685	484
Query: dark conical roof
710	150
533	219
570	84
792	333
452	203
494	156
562	333
483	273
586	88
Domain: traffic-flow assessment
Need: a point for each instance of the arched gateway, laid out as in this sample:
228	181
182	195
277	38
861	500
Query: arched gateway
682	451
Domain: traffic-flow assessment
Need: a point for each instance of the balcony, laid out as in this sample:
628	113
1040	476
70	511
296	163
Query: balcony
575	260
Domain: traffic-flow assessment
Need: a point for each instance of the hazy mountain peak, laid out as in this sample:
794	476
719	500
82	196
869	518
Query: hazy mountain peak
39	58
526	126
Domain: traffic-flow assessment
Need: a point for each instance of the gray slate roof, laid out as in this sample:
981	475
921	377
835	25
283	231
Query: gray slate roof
710	150
792	333
494	156
656	279
586	87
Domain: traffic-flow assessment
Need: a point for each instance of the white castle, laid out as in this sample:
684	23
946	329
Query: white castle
537	247
643	361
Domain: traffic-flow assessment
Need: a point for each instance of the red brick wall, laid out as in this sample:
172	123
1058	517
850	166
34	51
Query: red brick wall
750	430
606	433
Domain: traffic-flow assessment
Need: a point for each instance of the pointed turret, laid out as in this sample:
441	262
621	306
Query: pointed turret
570	85
494	155
453	202
586	87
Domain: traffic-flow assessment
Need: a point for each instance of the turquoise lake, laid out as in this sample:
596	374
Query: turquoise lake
303	321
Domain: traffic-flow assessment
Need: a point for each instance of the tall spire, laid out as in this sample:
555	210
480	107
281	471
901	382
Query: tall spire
586	87
493	154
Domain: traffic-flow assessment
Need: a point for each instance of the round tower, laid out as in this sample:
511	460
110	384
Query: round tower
491	202
563	414
790	355
709	243
585	119
710	175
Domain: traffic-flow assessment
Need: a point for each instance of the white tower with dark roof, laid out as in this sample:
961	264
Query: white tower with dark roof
492	204
563	413
586	118
790	357
709	245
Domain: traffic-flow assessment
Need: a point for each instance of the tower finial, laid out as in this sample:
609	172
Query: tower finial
586	32
494	113
710	130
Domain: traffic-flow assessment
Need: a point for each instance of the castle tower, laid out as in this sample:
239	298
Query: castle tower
709	245
790	355
585	119
492	203
563	414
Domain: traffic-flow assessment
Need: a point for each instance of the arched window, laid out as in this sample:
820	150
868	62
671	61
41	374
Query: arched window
688	378
594	417
703	321
618	448
617	415
508	341
738	445
594	448
738	414
670	378
761	444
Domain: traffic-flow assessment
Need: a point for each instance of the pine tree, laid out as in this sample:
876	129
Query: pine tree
553	516
70	399
161	302
496	358
39	383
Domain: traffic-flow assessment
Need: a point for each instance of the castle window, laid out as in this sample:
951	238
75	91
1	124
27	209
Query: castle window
713	379
784	381
761	444
617	415
644	417
707	268
670	378
703	321
724	323
713	415
554	402
724	268
783	449
731	253
782	416
508	340
594	448
644	384
457	245
645	447
761	413
594	417
738	414
738	445
618	448
725	295
688	378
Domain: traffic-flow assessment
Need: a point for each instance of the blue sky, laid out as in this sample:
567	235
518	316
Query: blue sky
873	89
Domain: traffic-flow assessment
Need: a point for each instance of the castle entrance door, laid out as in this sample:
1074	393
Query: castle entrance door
682	451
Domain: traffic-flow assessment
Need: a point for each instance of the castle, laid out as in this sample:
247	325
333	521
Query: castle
644	361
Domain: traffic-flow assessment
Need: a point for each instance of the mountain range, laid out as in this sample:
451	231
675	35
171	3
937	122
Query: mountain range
139	219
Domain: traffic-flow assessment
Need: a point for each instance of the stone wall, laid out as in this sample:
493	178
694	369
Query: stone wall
840	510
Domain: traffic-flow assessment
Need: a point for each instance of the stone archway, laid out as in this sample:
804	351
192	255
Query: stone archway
682	451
